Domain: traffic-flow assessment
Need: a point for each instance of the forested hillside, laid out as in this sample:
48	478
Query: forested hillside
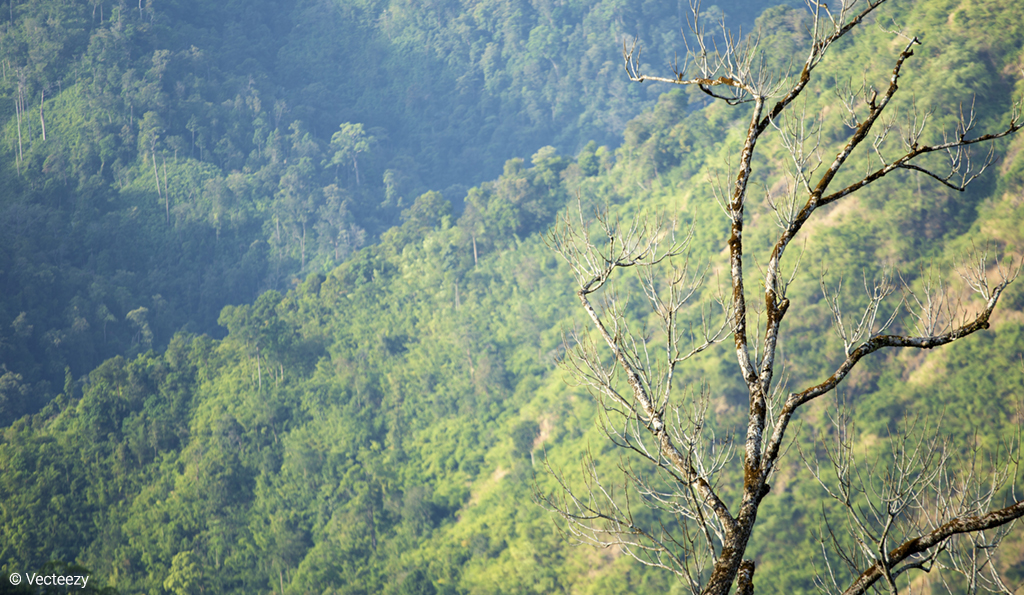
163	160
378	416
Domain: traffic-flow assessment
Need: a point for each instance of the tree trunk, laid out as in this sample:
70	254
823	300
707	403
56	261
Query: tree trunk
17	111
156	174
42	122
259	371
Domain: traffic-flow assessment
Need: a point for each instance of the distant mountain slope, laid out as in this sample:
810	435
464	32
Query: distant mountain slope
162	160
381	427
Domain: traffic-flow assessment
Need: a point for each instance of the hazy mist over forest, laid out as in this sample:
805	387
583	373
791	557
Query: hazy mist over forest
280	309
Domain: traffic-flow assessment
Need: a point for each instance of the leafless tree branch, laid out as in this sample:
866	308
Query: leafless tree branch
913	516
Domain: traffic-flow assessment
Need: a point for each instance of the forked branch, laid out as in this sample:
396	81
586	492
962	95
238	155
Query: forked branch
631	372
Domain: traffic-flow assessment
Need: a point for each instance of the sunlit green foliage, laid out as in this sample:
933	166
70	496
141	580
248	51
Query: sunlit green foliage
162	160
378	423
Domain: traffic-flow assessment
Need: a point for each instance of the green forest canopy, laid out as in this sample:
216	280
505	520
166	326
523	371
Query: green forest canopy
166	159
365	424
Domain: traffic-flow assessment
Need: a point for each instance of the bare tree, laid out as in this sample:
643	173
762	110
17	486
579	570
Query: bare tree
916	508
925	503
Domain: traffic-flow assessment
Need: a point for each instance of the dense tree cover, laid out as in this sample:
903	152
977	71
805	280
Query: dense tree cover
379	427
164	159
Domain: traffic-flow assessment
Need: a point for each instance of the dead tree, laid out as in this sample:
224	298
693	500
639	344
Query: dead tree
631	370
